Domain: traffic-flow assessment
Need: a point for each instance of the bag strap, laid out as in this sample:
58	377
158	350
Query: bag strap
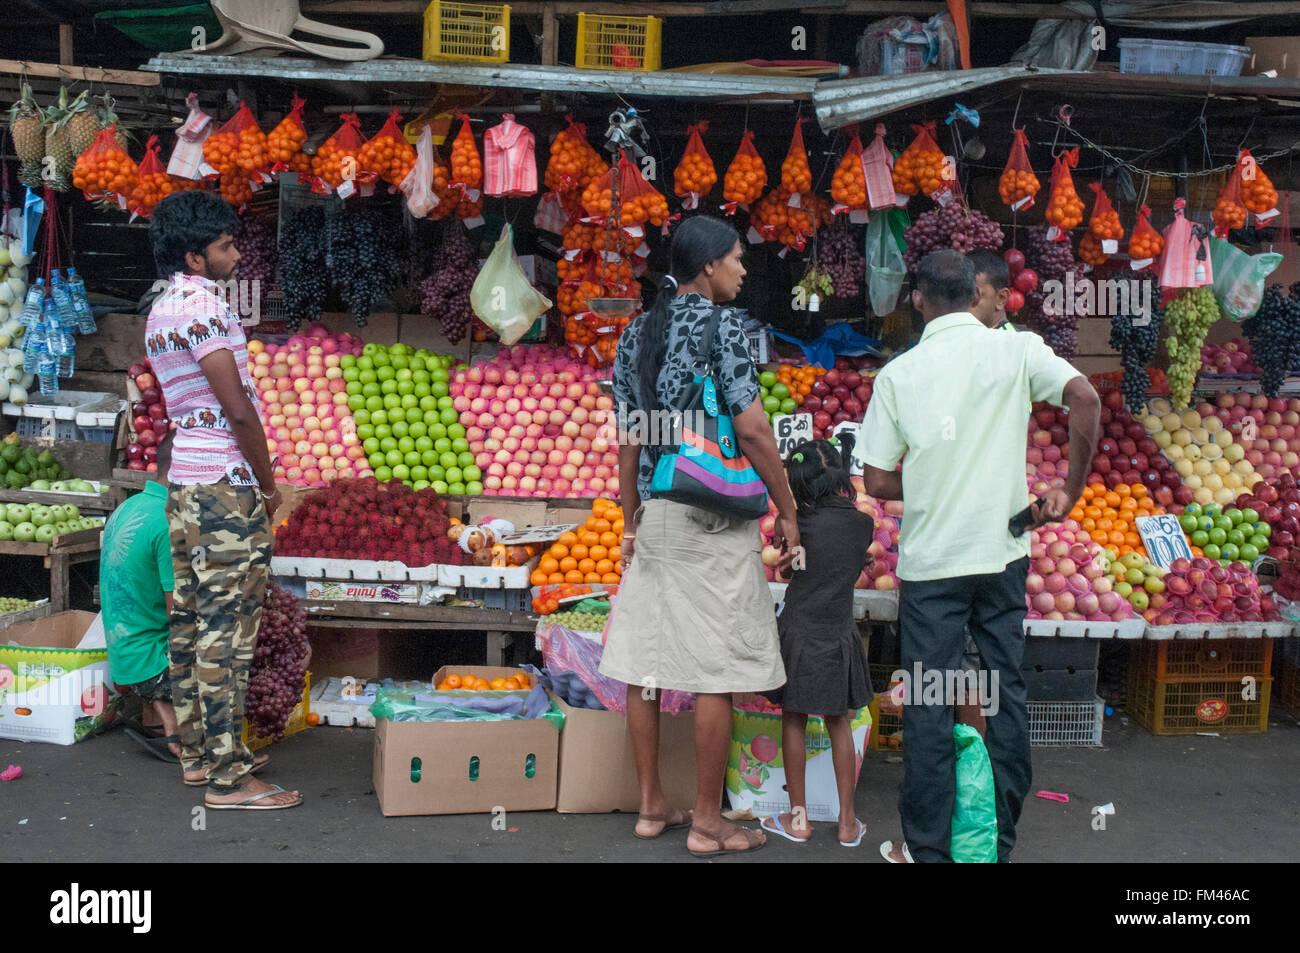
705	354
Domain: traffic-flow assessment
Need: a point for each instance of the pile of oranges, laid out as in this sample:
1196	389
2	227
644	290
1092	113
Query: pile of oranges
335	165
1257	192
466	164
1109	516
634	210
799	380
472	683
746	176
920	167
284	143
105	168
1146	242
1017	184
1106	223
1229	212
849	184
1090	251
590	554
235	189
388	157
573	162
245	151
695	173
1064	208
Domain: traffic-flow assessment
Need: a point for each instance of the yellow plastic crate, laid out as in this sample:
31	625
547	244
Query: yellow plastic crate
1185	708
297	720
466	32
1198	660
618	43
887	727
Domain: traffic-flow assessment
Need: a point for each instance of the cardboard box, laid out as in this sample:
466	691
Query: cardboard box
49	690
1280	53
597	770
429	767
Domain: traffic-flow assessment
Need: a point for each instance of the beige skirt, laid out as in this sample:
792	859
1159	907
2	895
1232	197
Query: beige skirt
694	612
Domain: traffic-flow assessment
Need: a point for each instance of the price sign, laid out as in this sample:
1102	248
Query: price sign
1163	538
791	430
848	426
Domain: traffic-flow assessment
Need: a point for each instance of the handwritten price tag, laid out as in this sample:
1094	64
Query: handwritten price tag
1163	538
791	430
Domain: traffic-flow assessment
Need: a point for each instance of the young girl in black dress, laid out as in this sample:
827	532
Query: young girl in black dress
825	665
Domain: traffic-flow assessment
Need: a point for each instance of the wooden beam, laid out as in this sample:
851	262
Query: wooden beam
550	37
85	74
65	44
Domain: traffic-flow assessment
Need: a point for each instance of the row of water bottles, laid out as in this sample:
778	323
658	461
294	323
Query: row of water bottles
49	322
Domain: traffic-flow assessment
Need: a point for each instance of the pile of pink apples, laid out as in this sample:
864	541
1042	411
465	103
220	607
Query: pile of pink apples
1067	581
538	424
149	420
1201	590
1232	357
1276	444
1126	453
305	407
1047	461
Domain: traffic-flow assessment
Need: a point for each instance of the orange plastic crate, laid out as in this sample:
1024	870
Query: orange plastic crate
1202	659
1186	708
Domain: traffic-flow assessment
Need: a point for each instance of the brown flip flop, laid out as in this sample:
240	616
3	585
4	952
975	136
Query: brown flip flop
689	820
722	848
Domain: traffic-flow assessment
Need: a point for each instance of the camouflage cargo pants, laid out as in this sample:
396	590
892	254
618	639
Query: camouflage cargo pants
221	555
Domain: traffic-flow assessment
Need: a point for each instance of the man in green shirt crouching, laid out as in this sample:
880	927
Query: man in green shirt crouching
135	586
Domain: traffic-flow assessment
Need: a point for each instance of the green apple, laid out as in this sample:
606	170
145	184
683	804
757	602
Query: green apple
1133	560
1153	584
393	457
383	474
411	458
1134	577
439	486
1211	551
419	472
1249	516
1124	589
61	528
1230	551
1218	536
43	485
1200	538
1139	600
1259	541
429	458
474	488
402	472
1187	522
448	460
419	485
472	475
1248	552
1236	537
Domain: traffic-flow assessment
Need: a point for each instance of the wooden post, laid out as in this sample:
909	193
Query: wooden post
65	44
550	36
496	644
59	581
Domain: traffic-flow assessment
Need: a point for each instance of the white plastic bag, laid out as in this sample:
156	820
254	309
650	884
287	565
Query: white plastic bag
1239	278
502	297
886	270
418	184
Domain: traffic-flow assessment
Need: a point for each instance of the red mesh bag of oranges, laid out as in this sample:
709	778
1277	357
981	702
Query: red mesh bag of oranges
1064	207
388	155
1018	184
695	174
638	201
337	159
796	176
573	163
152	182
746	176
1257	191
284	142
920	169
105	169
1146	243
1229	209
849	183
449	197
466	163
239	145
1104	229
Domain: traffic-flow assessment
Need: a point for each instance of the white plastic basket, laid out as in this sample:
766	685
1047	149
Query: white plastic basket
1181	57
1065	724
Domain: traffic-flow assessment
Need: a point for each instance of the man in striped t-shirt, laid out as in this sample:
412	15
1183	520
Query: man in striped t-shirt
220	501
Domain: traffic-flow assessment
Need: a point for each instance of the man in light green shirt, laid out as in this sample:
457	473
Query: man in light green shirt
954	410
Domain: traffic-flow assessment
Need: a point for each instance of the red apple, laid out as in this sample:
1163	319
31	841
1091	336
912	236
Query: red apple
135	465
150	454
139	409
145	381
157	412
820	388
134	451
1015	301
831	404
832	378
822	419
812	404
147	438
151	395
141	424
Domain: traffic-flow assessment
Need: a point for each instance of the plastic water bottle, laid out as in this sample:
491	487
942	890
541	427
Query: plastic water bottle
56	341
33	346
47	362
68	360
48	372
31	314
80	303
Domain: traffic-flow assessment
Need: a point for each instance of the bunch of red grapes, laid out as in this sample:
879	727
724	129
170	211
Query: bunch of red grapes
444	294
279	669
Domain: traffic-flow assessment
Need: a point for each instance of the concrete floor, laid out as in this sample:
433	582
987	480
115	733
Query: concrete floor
1226	799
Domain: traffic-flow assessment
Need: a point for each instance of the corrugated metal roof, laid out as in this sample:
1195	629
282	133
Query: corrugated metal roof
562	79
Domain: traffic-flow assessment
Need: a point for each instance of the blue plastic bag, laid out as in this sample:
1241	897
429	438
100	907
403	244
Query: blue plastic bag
974	811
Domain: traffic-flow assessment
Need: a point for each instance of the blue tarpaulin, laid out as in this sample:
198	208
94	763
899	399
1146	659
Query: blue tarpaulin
839	339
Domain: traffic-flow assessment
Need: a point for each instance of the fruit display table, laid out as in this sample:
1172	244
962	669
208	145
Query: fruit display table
103	502
60	555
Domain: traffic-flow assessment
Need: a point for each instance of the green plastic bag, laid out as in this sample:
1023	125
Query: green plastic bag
1239	278
886	270
974	812
501	295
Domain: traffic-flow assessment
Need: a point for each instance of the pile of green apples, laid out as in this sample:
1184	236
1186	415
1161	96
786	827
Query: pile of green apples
776	396
24	523
1226	534
22	466
1135	579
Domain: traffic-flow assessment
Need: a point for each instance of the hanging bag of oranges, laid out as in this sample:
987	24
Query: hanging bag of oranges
695	175
284	143
638	201
878	170
466	163
573	163
105	171
152	182
922	168
1018	184
745	177
1104	229
337	164
1257	191
796	176
767	217
1146	244
1229	210
849	183
238	146
1064	207
449	197
387	154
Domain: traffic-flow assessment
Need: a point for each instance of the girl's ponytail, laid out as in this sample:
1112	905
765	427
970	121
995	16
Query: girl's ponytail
846	440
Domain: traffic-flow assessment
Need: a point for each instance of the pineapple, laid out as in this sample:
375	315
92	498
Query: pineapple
29	141
58	145
83	126
107	117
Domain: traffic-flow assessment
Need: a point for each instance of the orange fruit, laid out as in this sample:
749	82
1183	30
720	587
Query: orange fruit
452	681
602	526
1134	540
510	684
609	539
591	538
442	687
579	552
568	539
558	551
1124	490
591	577
1112	498
538	578
573	576
548	563
586	567
498	684
1140	490
1105	524
1093	512
555	578
1088	524
598	553
604	566
568	563
615	554
610	578
590	523
1116	537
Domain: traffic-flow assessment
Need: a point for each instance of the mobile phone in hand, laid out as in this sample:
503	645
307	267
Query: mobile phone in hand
1022	520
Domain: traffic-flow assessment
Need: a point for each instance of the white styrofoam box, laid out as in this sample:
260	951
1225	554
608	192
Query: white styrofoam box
327	702
1081	628
104	417
485	577
1220	630
308	567
65	405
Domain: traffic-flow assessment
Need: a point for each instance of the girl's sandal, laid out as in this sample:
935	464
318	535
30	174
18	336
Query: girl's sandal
686	821
752	846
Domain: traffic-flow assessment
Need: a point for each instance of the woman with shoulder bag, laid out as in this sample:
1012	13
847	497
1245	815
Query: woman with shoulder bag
697	461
